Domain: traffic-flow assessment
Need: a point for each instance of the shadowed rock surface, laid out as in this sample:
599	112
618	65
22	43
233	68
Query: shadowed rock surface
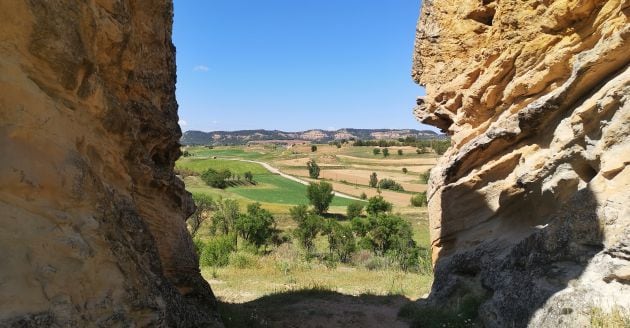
93	218
529	208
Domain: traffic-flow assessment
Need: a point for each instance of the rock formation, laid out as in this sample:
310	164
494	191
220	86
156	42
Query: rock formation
530	208
93	230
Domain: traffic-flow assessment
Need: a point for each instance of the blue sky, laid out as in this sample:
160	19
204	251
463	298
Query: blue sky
295	65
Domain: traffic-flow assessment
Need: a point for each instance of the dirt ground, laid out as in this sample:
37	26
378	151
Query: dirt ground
305	309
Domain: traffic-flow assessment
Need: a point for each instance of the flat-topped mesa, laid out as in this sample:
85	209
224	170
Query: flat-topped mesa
534	191
93	218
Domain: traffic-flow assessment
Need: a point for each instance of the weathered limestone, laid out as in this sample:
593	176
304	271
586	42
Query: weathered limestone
529	208
92	216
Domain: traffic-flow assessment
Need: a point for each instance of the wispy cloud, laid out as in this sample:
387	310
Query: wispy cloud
182	123
201	68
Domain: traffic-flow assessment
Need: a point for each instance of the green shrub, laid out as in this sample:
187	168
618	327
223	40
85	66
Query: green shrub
391	236
400	152
341	242
419	199
313	148
385	152
378	204
404	170
309	225
242	260
376	151
359	226
354	210
390	184
363	196
216	252
199	245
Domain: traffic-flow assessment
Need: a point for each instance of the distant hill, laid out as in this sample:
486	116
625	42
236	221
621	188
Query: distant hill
244	136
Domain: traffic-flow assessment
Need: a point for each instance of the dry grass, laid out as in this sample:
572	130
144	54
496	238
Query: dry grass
615	318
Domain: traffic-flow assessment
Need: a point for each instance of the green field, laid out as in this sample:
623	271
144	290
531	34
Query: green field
200	165
273	188
270	188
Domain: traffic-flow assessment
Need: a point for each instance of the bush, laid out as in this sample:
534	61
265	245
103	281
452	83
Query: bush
404	170
392	236
419	199
373	180
424	177
359	226
363	196
385	152
216	252
341	242
400	152
320	195
378	205
354	210
376	151
313	148
242	260
216	179
390	184
313	169
257	226
307	231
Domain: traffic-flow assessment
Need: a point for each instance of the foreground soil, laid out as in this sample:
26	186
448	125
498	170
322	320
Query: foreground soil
315	308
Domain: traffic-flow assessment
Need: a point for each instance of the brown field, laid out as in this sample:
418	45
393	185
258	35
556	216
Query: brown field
389	162
362	177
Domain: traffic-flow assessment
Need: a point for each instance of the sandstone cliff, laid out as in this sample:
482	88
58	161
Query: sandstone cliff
530	208
92	217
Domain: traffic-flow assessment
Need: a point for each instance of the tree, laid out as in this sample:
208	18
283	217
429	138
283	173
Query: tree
320	195
227	211
419	199
385	152
354	210
248	176
313	148
203	204
376	151
313	169
257	226
308	226
404	170
216	179
400	152
378	204
373	180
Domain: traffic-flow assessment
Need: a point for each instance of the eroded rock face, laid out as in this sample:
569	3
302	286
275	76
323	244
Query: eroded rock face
92	216
529	208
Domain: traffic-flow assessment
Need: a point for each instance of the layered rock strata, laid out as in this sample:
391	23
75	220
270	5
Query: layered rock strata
530	208
93	219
